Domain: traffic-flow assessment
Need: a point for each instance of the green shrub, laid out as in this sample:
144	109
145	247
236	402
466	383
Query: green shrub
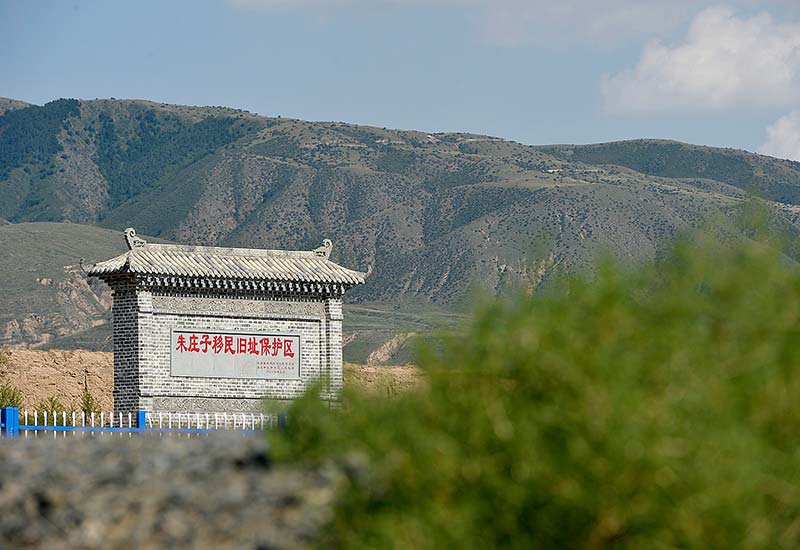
52	405
654	408
10	396
88	402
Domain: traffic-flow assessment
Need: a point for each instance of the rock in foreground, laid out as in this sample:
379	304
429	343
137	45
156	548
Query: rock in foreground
116	491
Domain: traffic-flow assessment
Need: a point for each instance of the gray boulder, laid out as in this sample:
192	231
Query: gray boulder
123	491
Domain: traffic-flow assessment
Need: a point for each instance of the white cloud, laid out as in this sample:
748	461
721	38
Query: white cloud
514	22
724	62
783	138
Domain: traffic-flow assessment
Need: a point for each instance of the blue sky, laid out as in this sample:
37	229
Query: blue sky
534	71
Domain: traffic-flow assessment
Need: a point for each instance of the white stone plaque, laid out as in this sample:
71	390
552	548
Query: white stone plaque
235	355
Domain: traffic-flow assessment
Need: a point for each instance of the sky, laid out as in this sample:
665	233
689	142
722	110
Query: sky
534	71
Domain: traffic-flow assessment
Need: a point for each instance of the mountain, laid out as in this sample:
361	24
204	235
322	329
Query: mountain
435	214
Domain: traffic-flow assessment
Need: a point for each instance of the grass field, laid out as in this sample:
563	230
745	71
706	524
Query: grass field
387	333
44	294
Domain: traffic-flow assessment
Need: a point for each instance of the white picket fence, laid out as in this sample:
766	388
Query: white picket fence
161	421
212	421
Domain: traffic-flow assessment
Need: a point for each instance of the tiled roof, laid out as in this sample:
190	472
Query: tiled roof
228	263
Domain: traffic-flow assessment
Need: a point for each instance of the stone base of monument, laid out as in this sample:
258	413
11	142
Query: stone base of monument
213	404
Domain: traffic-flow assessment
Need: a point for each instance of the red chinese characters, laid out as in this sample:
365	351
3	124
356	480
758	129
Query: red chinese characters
229	345
252	346
217	344
287	348
205	342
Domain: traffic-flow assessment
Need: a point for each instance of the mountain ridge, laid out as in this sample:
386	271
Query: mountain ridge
436	214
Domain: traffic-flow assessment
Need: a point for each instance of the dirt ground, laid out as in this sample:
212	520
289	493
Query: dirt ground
383	379
61	373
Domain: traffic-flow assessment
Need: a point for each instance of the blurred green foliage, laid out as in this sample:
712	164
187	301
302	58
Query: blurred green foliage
654	407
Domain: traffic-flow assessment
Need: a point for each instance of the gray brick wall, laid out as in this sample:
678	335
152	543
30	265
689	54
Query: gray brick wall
143	319
126	348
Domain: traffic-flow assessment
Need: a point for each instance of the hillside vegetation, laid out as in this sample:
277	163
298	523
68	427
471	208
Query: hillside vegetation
7	104
437	215
766	177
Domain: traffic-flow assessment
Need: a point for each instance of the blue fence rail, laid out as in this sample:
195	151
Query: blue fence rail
179	423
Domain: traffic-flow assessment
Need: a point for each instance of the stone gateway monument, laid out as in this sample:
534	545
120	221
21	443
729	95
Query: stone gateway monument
212	329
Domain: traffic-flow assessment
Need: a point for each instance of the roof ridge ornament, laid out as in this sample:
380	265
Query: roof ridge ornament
132	240
84	268
324	251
